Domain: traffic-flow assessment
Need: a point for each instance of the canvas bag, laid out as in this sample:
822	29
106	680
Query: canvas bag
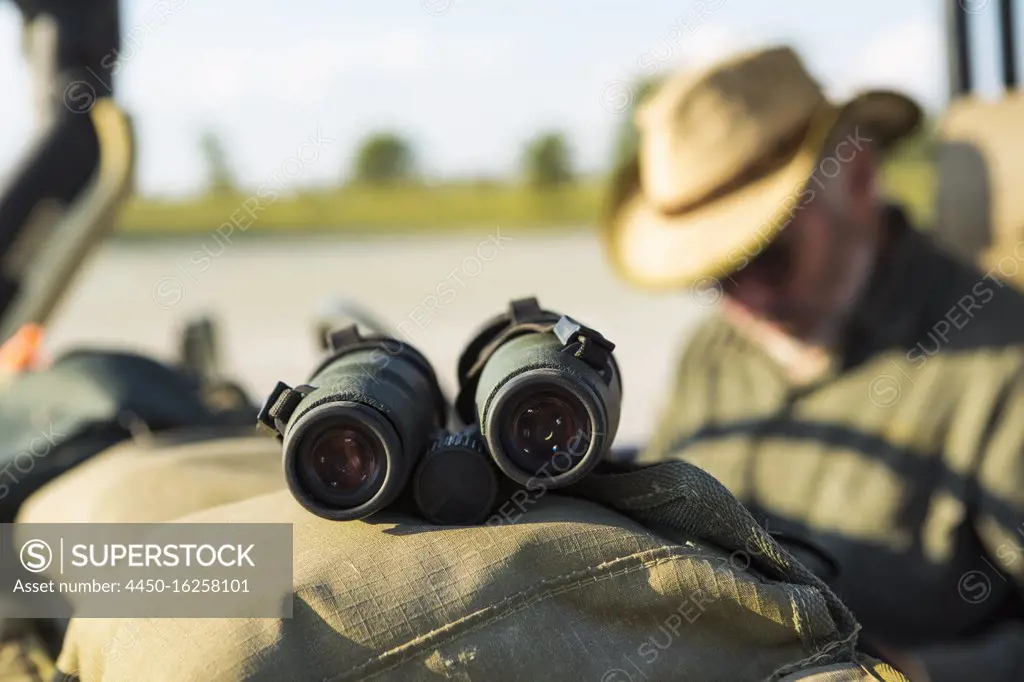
576	587
158	478
54	419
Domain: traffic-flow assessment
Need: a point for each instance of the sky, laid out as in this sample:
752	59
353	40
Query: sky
468	81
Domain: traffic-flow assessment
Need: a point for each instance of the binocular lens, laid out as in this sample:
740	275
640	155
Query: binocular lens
353	435
548	403
344	465
544	424
344	460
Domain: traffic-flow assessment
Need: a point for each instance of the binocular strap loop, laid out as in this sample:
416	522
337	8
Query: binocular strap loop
681	497
280	406
464	400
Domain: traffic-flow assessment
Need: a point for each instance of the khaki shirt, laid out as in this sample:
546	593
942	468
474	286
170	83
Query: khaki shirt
904	462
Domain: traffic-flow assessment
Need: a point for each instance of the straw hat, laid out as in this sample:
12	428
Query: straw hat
723	158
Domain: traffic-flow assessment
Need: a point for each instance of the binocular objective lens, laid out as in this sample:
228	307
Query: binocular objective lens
545	424
344	460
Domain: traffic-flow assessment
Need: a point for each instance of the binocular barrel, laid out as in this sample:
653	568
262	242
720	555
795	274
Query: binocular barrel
548	403
540	396
353	436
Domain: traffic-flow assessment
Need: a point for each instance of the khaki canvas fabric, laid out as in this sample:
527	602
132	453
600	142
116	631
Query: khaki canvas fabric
573	590
906	462
844	672
24	658
150	482
144	482
979	206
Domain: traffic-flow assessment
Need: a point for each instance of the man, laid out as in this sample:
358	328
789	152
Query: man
858	385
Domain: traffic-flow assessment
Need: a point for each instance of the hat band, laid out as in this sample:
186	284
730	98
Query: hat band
811	134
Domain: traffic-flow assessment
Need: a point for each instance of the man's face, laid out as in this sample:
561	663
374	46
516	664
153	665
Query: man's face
806	281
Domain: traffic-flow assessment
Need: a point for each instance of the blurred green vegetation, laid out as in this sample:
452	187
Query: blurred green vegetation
367	209
912	183
221	179
418	207
384	159
384	192
909	173
547	162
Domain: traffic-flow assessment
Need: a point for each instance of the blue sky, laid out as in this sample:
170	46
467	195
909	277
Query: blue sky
468	80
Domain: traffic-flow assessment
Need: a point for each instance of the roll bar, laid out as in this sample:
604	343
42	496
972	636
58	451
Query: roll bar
959	53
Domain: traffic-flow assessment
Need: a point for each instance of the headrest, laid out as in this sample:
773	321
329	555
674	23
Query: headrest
979	209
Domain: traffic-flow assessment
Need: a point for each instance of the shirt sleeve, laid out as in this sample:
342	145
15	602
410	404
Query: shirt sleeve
995	657
999	521
998	655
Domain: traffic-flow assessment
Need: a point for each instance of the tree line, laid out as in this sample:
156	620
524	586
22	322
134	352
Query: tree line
387	158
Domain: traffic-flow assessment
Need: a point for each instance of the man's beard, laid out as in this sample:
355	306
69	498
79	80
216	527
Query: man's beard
820	323
852	265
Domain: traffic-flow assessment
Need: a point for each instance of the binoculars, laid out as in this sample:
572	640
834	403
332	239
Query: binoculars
538	405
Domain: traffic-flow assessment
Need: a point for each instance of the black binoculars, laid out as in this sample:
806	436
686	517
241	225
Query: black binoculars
538	405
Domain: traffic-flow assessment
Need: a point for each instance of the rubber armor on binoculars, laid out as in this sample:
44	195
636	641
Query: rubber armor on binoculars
539	401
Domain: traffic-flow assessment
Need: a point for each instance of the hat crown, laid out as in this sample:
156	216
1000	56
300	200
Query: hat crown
700	131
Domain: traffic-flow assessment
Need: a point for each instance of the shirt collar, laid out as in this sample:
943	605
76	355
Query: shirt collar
889	312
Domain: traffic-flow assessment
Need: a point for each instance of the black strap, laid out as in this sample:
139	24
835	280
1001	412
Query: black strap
524	316
687	500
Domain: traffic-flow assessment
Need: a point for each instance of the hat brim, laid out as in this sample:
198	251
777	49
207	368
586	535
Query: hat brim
656	251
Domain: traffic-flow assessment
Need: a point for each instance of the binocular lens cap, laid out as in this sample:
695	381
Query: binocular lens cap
456	487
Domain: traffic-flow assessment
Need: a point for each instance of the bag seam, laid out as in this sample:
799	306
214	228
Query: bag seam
818	656
534	595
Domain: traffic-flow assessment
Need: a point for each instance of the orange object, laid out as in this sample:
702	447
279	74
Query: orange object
22	351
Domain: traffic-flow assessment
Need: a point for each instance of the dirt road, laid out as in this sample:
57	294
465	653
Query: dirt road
265	291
